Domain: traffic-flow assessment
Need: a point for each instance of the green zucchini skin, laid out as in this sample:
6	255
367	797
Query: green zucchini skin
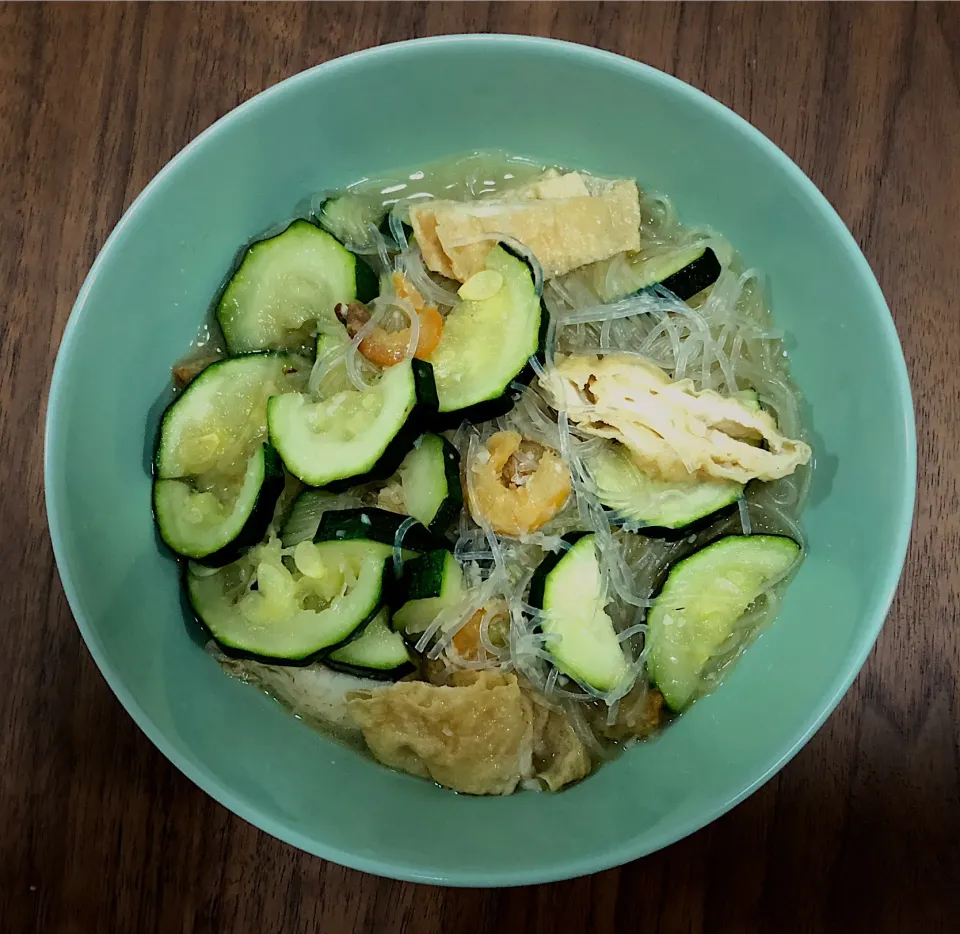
368	282
424	577
695	528
653	507
660	579
684	272
423	379
694	277
372	674
305	662
376	525
428	585
476	414
453	504
516	254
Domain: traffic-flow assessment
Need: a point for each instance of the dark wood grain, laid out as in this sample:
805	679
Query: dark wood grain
99	833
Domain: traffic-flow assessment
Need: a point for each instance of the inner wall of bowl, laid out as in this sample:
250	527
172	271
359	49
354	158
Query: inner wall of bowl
397	107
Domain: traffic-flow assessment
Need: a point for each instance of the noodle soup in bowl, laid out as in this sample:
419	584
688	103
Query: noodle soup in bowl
579	590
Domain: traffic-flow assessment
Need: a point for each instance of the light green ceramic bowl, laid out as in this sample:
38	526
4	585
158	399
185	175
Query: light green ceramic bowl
396	106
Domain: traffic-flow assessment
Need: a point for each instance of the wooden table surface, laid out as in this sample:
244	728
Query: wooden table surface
99	833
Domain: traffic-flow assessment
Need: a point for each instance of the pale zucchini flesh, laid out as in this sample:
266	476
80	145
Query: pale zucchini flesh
430	481
216	423
343	436
285	288
695	616
216	482
485	344
377	651
200	524
570	594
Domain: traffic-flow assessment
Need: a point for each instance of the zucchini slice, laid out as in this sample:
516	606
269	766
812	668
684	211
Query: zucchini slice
284	287
428	585
378	652
486	344
353	435
694	618
368	282
660	505
568	589
348	217
300	607
685	275
220	418
430	480
375	525
215	482
201	525
434	574
685	272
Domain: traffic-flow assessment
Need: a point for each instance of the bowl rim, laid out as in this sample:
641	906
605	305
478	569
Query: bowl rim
577	865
